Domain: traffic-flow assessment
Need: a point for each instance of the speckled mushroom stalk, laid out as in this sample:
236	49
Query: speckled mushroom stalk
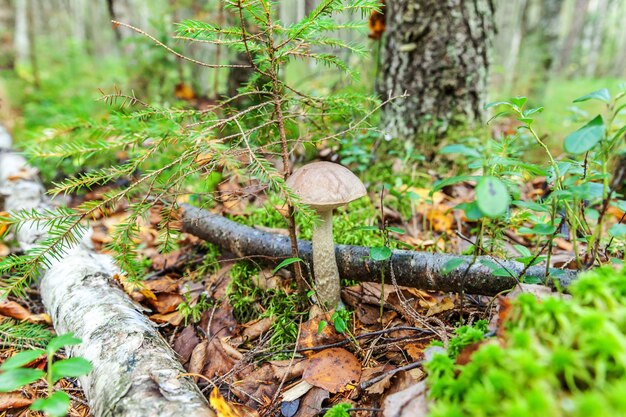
327	281
325	186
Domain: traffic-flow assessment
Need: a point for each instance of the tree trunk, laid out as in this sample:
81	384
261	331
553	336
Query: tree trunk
577	21
309	6
510	19
135	372
547	46
7	17
21	45
594	45
437	52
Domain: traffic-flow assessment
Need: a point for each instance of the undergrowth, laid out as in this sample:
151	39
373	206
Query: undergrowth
21	334
556	357
250	301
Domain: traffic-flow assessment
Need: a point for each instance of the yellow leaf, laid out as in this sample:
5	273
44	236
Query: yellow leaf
4	224
148	294
225	409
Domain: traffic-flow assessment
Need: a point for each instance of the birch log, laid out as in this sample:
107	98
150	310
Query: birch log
411	269
135	372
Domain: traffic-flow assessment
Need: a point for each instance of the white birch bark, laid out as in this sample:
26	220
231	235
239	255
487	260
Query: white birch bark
20	37
135	372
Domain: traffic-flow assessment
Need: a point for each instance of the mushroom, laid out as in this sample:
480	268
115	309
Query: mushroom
324	186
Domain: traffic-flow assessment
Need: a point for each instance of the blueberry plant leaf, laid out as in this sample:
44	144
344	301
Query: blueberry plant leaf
492	196
585	138
602	95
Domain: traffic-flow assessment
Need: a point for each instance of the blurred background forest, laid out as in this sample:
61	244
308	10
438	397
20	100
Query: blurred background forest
56	54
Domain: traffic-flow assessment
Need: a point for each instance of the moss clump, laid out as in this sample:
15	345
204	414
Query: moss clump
557	357
251	302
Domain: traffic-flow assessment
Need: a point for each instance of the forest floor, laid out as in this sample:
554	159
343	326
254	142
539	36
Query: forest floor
235	324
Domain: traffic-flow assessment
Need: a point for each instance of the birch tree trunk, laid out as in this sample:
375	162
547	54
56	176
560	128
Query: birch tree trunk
135	372
436	50
510	18
20	37
595	40
547	45
577	21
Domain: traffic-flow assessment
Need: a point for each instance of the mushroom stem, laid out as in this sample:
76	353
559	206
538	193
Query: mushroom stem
327	284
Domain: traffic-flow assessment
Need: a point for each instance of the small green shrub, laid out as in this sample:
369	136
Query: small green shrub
15	374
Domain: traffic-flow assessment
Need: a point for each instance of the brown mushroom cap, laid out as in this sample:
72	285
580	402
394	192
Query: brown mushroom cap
325	185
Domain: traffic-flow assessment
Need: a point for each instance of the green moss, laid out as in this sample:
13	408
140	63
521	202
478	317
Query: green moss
358	213
250	302
558	357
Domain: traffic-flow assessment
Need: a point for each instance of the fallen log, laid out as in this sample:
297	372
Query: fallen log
135	372
411	269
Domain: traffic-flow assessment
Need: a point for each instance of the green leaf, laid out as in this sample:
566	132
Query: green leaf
497	103
501	272
365	228
585	138
340	324
16	378
619	133
492	196
285	263
396	230
438	185
71	367
542	229
490	264
21	359
460	149
500	114
58	342
602	95
472	212
530	112
402	244
55	405
321	326
531	205
380	253
451	265
531	260
518	101
618	230
523	250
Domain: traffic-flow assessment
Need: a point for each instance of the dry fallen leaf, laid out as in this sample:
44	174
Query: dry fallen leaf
311	403
334	369
258	385
220	358
166	302
174	318
186	341
12	400
310	335
224	408
16	311
440	218
410	402
380	386
444	305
